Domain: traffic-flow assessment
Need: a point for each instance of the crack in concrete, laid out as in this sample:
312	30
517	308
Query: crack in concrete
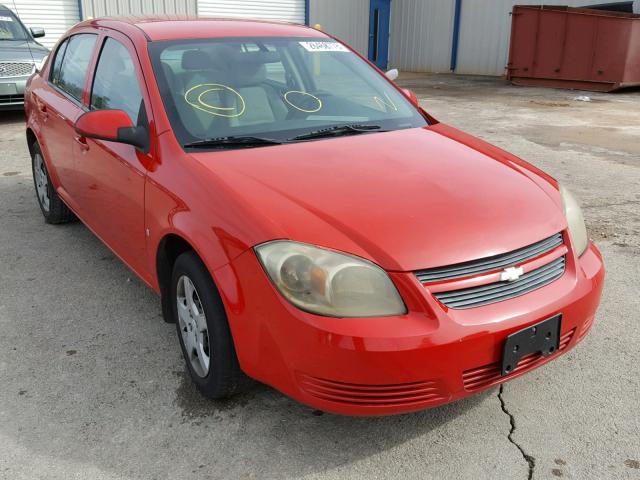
531	461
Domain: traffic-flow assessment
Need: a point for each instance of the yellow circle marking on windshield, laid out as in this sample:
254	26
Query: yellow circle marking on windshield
387	103
298	107
205	104
194	97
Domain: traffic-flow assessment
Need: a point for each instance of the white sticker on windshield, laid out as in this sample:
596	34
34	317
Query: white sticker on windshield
324	47
6	19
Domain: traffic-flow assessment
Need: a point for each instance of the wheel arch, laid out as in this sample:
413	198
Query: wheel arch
32	135
31	139
170	247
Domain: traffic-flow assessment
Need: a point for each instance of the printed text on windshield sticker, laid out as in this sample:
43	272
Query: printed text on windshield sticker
324	47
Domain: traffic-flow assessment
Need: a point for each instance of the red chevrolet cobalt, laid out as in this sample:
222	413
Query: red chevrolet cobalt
304	221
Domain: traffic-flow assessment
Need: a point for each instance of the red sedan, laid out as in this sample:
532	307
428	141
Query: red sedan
304	221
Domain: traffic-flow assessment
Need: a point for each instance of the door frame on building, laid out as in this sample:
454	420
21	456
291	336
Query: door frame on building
379	23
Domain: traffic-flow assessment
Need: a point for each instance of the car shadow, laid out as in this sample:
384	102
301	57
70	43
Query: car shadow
310	440
11	117
99	382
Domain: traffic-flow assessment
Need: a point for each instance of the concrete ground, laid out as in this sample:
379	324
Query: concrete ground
92	383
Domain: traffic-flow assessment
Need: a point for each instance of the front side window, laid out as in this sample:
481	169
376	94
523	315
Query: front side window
115	84
11	28
75	64
276	88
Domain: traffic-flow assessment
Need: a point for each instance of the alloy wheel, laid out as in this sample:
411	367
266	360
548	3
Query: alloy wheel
42	181
193	326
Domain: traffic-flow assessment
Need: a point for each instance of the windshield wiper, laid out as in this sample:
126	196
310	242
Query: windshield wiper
337	131
225	142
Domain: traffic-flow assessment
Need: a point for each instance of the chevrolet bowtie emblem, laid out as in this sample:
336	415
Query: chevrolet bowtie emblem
511	274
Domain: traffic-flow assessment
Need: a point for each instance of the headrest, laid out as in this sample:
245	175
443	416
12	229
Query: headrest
195	60
249	68
250	74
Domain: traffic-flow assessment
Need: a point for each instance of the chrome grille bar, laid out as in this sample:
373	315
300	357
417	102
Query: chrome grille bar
489	264
499	291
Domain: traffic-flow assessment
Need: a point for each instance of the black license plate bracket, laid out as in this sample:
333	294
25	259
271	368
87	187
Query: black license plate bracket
543	337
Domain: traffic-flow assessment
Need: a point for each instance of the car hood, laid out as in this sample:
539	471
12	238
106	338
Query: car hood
407	199
21	50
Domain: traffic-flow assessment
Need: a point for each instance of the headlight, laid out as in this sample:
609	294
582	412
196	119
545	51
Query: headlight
575	220
329	283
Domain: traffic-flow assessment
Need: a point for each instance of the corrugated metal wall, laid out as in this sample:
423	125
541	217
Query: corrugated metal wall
421	33
55	16
285	10
346	19
103	8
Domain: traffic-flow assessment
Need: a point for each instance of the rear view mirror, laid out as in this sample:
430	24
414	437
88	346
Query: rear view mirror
112	126
392	74
412	96
37	32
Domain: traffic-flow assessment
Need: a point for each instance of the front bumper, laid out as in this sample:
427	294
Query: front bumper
12	92
389	365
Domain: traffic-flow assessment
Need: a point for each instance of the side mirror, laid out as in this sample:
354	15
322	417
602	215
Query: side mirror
412	96
392	74
112	126
37	32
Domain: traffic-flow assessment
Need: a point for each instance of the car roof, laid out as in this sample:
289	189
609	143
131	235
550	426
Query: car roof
176	27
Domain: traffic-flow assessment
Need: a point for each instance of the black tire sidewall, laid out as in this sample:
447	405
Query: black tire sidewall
58	212
36	151
219	381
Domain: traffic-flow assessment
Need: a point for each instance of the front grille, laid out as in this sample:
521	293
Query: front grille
372	395
488	375
490	264
499	291
15	69
10	99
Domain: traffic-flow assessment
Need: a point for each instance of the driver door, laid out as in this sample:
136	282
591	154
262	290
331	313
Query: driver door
111	176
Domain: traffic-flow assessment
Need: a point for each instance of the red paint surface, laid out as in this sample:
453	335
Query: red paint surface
405	200
102	124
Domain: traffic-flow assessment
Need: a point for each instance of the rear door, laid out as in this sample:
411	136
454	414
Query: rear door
112	175
59	104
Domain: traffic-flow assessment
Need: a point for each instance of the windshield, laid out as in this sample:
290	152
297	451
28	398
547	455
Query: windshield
11	28
274	88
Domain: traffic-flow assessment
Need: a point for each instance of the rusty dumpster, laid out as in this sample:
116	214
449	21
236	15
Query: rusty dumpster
577	48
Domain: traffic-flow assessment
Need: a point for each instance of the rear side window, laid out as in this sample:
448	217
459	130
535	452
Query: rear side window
75	64
115	84
57	63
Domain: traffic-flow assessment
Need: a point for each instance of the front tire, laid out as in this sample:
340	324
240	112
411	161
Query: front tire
53	208
203	330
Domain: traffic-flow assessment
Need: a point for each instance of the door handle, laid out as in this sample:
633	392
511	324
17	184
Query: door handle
82	141
42	108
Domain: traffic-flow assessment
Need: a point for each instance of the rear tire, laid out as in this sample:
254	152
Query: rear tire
53	208
203	329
